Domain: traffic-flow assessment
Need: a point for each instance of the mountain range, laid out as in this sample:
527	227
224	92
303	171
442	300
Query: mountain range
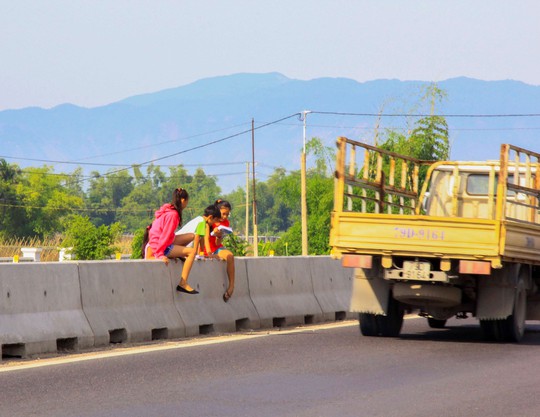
208	123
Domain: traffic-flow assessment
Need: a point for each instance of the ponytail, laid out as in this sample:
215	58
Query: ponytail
223	203
179	194
145	240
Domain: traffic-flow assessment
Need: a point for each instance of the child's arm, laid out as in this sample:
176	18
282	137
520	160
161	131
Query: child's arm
196	242
207	240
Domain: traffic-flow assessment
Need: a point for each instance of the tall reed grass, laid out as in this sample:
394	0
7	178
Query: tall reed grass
50	246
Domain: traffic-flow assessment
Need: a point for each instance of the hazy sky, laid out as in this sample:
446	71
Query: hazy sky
94	52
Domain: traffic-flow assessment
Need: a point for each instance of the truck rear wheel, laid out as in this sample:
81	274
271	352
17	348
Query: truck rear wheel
379	325
390	325
368	324
512	328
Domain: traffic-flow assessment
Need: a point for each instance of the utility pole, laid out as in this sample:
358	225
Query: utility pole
303	190
255	233
247	202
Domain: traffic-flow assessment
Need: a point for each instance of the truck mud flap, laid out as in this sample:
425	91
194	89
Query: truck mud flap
496	294
369	293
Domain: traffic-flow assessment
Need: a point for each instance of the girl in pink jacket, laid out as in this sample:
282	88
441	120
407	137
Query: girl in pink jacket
164	244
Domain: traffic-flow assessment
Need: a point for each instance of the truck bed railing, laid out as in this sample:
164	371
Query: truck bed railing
518	189
375	180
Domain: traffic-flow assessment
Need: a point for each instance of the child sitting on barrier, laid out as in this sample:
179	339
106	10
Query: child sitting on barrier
160	241
216	247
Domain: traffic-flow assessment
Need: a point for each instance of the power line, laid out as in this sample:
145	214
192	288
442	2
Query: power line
118	165
427	115
89	177
154	145
406	128
203	145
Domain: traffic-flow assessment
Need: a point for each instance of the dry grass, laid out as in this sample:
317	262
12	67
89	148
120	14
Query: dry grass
51	247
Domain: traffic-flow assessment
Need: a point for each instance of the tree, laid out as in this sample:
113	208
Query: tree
203	191
320	196
11	215
428	139
106	193
46	201
88	241
138	207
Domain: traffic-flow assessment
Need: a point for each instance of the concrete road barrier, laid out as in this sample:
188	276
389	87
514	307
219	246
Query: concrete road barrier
332	285
282	291
129	301
40	309
46	307
206	312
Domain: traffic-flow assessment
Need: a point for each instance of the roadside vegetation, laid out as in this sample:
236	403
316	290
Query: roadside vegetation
103	214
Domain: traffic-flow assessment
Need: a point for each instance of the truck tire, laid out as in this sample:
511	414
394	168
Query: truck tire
379	325
390	325
491	330
368	324
512	328
436	323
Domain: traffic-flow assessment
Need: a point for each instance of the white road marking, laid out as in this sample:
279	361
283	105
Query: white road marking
124	351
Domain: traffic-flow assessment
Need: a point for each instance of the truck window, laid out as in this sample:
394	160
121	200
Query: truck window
477	184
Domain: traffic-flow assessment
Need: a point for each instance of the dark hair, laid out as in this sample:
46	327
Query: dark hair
145	239
213	211
223	203
177	196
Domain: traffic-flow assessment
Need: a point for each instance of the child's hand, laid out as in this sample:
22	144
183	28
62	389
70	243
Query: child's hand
164	259
217	233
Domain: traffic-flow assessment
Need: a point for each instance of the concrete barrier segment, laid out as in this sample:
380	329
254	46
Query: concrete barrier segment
332	285
40	309
206	312
281	289
129	301
244	311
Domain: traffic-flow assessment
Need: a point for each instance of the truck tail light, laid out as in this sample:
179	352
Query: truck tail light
357	261
475	267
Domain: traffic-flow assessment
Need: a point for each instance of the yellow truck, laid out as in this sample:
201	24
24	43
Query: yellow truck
445	238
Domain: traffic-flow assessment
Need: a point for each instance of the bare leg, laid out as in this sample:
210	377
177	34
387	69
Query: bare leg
189	254
227	255
184	239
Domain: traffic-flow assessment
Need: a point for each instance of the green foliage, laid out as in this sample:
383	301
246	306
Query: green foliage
106	193
46	201
429	137
39	201
237	246
11	216
88	241
136	244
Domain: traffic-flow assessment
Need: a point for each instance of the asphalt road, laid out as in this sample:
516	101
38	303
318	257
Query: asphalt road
316	371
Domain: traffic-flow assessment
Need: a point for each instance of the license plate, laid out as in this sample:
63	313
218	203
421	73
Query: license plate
416	270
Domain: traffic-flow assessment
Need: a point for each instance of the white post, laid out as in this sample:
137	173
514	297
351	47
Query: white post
34	253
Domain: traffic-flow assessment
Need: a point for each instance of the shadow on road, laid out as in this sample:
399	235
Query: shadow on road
468	332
